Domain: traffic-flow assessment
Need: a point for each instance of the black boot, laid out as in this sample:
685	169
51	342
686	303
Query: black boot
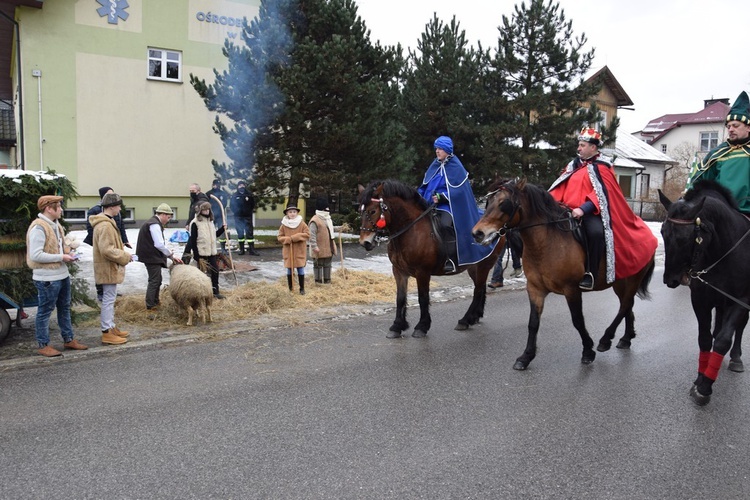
242	248
289	278
301	284
251	249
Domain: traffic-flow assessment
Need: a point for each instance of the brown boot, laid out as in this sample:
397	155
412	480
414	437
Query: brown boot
74	344
118	332
49	352
110	338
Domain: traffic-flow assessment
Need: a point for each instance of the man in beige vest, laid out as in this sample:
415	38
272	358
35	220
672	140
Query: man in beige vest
48	259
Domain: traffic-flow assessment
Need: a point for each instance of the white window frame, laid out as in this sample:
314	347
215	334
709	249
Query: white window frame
664	148
164	57
712	138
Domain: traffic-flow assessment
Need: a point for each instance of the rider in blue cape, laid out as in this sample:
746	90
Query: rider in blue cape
446	184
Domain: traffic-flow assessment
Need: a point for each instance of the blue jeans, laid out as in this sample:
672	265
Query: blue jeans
53	294
497	272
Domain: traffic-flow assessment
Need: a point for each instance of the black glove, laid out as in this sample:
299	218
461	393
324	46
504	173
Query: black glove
186	258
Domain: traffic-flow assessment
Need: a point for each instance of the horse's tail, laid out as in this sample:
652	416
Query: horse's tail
643	292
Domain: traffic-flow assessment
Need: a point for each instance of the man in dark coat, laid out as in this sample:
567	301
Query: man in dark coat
243	206
152	251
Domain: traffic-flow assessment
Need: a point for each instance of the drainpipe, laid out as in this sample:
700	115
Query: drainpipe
38	75
19	75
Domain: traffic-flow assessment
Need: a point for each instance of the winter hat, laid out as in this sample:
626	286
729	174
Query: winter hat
290	207
103	191
111	199
241	184
202	206
322	204
164	209
47	199
740	109
590	135
445	143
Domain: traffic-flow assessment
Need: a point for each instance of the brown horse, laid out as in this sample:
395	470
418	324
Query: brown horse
553	261
394	210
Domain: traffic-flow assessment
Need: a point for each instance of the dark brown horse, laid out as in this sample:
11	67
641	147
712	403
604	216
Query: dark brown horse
394	210
553	261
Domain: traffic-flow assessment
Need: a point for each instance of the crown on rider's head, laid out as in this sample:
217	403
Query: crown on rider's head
590	135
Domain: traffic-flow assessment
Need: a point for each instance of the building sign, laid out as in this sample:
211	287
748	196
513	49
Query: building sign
113	9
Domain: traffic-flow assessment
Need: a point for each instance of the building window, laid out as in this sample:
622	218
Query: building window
709	140
602	122
664	148
645	182
164	65
626	184
75	215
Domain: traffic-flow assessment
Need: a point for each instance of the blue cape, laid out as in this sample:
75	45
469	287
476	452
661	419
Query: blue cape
451	179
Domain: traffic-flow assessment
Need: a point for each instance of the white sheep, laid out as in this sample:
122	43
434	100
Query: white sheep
191	289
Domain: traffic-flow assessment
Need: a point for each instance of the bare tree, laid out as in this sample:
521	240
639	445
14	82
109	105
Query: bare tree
676	176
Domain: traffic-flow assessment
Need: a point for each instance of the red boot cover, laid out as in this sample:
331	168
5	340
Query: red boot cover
714	364
703	361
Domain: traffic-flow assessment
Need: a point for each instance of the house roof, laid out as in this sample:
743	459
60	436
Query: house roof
631	152
614	86
713	113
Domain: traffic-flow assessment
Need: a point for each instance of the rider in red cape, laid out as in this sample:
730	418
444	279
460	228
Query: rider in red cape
588	185
446	183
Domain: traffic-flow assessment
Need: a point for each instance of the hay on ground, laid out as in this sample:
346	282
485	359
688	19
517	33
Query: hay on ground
250	300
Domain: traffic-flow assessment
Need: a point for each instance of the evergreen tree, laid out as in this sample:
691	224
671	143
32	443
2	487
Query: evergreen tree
441	93
543	65
310	99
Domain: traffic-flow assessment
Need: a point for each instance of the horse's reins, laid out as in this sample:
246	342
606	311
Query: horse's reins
516	207
383	209
698	240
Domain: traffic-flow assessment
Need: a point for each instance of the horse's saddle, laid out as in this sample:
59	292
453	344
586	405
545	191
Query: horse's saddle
577	229
445	234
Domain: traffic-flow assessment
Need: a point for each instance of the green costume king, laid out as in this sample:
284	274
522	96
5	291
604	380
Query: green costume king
729	163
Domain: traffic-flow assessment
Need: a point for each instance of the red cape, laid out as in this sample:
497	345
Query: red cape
634	242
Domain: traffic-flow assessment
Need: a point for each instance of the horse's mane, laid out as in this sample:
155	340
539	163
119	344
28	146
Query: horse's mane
393	189
541	203
713	189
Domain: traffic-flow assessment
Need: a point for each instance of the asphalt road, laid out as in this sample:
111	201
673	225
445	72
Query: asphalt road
336	410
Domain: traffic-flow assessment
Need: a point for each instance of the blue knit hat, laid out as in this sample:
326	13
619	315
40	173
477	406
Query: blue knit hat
445	143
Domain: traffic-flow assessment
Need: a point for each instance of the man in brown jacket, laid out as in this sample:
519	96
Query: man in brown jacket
110	259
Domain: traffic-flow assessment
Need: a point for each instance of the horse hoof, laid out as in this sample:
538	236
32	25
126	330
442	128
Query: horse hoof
587	359
736	366
623	344
461	327
393	335
520	365
419	334
699	398
603	346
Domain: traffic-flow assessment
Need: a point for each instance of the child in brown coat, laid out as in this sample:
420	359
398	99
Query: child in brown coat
293	235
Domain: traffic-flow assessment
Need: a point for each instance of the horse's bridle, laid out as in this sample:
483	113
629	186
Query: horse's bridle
383	234
516	208
697	241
